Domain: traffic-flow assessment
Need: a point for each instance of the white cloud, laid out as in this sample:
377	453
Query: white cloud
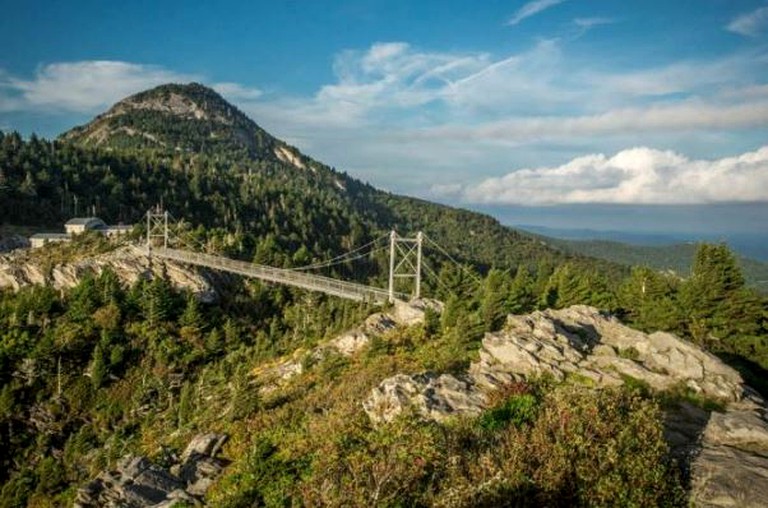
691	76
584	25
531	9
592	22
404	117
751	24
692	115
634	176
236	91
390	78
82	87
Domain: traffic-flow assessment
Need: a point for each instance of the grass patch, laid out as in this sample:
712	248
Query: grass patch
629	353
683	393
636	385
518	410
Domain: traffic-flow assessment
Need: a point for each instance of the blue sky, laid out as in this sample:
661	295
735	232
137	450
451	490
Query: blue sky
521	108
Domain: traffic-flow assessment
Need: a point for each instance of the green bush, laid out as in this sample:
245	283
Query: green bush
518	410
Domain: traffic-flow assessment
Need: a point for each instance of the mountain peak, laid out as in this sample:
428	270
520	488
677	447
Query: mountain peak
191	100
177	118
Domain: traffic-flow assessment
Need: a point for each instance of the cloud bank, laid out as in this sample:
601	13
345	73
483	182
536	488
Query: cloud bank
640	176
93	85
81	87
752	24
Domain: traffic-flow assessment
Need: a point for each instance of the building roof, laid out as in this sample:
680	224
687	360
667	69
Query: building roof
49	236
84	221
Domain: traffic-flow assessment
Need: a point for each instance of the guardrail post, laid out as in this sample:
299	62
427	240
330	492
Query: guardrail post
392	240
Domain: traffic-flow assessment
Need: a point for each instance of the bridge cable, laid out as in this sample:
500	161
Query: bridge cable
341	258
461	266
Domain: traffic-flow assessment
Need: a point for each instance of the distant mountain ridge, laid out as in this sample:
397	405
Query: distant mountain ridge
676	258
751	245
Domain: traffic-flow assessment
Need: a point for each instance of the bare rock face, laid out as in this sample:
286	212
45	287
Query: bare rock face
731	468
580	341
431	396
725	453
138	483
412	312
17	270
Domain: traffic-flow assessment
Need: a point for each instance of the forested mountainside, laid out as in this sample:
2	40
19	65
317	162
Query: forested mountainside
106	368
185	147
677	258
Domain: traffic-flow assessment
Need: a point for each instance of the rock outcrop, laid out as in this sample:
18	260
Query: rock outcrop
274	375
582	342
725	453
19	269
731	466
432	396
138	483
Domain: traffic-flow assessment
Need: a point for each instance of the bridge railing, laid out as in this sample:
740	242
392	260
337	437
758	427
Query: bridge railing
303	280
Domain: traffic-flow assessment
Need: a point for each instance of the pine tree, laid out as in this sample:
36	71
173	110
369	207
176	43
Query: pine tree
651	301
494	301
109	287
521	293
158	301
714	298
98	367
567	286
192	317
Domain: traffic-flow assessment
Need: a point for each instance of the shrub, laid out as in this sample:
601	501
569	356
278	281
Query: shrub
516	405
584	448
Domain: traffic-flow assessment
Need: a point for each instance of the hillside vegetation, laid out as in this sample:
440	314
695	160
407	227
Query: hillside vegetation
101	370
676	258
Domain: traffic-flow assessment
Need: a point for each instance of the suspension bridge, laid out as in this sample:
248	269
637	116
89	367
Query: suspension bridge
405	262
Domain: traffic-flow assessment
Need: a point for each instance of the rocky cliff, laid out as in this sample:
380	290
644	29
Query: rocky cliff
136	482
18	269
725	452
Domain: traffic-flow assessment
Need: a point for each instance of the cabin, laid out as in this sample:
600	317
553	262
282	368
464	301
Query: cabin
77	226
82	224
40	239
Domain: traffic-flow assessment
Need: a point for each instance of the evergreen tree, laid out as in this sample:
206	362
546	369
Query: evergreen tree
714	298
651	301
192	317
158	301
109	287
567	286
98	367
522	297
83	300
493	305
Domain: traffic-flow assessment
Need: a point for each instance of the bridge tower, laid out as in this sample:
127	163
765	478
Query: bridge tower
409	264
157	226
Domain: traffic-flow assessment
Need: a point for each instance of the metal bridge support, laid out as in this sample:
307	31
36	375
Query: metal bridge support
409	265
157	227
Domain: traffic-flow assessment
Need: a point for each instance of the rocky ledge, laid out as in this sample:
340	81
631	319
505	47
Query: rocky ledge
18	270
137	482
725	453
